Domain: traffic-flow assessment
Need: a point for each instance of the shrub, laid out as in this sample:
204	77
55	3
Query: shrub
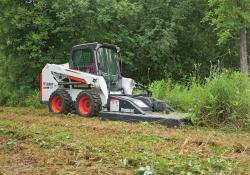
177	95
33	100
19	97
223	99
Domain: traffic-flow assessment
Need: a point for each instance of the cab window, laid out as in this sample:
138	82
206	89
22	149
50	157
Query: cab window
83	61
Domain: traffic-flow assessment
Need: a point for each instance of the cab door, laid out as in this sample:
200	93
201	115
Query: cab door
83	60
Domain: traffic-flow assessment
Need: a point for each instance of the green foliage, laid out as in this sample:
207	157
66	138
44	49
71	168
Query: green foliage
9	96
159	39
226	100
223	99
22	97
45	138
33	100
177	95
189	165
228	17
165	38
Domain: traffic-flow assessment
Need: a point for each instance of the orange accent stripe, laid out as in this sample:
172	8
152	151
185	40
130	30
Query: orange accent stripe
72	71
82	81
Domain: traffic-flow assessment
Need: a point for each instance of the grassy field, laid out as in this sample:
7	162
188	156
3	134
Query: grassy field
33	141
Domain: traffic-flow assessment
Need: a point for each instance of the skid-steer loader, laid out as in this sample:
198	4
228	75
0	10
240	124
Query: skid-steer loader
91	84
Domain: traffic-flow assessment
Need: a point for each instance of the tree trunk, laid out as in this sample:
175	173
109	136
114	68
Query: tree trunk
243	52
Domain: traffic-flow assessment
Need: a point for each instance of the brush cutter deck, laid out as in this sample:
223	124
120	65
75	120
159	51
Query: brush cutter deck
140	109
169	120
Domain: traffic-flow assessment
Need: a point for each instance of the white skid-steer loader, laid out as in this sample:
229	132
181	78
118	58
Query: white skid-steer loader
91	85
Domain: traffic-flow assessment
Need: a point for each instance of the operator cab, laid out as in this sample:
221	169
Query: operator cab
98	59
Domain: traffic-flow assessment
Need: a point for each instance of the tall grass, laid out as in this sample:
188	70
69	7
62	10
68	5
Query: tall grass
222	99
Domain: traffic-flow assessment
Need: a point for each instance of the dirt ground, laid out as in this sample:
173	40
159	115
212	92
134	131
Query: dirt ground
34	141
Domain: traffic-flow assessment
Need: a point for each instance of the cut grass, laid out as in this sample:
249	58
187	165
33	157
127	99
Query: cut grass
33	141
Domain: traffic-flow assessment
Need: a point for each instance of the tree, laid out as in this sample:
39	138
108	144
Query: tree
231	19
158	39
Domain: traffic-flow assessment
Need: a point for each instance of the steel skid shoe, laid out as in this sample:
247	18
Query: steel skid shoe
142	109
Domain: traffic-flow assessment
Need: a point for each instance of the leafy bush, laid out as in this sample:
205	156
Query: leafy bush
223	99
33	100
19	97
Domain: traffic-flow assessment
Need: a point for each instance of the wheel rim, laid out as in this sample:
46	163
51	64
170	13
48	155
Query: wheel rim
56	104
85	105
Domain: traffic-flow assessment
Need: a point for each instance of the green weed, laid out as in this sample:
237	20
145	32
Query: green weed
58	145
222	100
189	165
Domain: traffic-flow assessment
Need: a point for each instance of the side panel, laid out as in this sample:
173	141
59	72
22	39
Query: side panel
53	74
48	84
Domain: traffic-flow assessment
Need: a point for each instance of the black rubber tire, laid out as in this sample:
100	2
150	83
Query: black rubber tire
66	101
95	101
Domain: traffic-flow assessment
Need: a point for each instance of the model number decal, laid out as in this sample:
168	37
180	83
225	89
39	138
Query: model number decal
127	110
47	85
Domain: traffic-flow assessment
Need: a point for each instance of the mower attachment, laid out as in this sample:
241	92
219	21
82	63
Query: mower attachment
142	109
